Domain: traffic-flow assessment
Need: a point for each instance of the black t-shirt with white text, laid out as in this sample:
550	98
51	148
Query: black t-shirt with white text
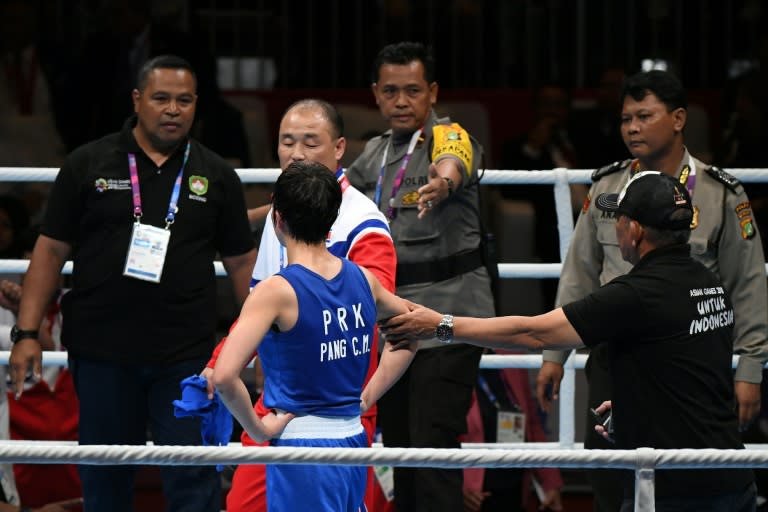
669	327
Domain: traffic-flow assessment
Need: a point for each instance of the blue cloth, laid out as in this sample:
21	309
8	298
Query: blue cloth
216	420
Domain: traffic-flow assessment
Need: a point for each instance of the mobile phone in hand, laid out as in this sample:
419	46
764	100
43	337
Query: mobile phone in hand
604	419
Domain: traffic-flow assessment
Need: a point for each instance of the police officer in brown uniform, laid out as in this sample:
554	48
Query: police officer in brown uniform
724	237
422	173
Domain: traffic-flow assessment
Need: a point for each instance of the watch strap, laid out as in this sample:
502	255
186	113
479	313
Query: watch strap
20	334
444	330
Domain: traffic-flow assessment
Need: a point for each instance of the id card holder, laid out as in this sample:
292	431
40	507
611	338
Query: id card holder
385	476
510	426
146	252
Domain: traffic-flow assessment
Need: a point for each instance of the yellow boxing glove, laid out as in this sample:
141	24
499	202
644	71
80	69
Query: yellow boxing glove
452	139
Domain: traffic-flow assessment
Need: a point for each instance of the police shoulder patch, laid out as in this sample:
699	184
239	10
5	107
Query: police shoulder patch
616	166
729	180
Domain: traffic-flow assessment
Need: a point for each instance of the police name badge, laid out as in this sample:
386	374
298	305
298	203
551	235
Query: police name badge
408	200
146	252
510	427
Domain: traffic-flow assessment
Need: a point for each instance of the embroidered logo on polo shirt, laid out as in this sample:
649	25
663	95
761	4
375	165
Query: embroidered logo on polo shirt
198	184
102	185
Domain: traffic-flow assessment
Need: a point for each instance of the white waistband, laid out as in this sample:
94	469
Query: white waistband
322	427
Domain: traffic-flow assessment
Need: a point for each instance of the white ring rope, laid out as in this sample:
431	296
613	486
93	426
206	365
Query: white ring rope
489	176
487	361
31	453
506	270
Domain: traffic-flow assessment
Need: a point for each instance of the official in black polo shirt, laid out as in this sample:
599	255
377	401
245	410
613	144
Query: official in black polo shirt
668	323
143	213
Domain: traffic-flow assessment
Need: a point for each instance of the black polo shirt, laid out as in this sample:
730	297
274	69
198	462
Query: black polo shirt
669	326
108	316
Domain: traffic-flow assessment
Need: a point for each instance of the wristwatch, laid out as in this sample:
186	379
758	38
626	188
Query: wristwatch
18	335
444	330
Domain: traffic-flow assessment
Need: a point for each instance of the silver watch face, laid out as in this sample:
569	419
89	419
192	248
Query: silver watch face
444	330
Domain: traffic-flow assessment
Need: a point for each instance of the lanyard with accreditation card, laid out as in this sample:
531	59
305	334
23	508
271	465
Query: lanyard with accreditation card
391	210
510	424
149	244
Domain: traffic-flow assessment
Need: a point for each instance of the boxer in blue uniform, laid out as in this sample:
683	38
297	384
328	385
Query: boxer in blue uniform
322	311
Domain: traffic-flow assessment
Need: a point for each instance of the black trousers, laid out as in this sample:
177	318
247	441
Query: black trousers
607	484
427	408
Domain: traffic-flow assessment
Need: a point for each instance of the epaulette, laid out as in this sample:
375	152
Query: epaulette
727	179
618	165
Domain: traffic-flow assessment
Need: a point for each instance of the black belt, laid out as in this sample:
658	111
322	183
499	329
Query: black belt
438	270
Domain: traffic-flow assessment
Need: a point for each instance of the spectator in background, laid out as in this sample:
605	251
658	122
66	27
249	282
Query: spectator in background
743	139
13	220
126	36
547	144
596	134
129	35
28	130
506	392
48	409
218	124
28	133
743	144
15	237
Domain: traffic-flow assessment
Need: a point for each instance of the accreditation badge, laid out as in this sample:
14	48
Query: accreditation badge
146	252
385	475
510	426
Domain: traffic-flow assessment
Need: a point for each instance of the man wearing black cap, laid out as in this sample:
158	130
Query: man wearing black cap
724	237
668	326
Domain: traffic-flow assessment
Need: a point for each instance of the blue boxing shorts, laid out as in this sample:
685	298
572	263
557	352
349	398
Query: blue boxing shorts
318	487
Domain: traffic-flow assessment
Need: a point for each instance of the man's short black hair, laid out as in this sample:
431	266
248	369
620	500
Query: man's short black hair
663	84
404	53
330	113
308	197
162	62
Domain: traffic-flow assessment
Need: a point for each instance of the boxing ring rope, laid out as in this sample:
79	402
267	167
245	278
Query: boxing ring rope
644	460
32	452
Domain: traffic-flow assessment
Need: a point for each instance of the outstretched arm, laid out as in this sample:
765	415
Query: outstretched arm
550	330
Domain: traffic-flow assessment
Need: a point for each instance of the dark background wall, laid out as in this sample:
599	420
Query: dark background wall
489	51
